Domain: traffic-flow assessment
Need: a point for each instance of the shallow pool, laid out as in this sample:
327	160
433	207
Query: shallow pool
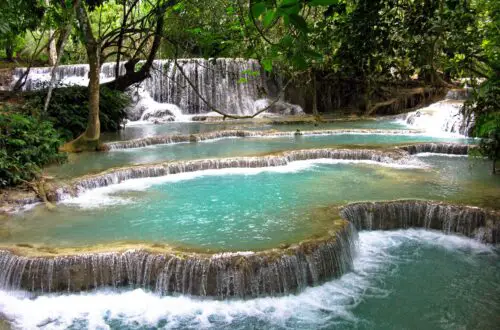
242	209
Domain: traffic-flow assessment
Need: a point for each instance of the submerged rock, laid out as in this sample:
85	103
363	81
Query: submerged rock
278	108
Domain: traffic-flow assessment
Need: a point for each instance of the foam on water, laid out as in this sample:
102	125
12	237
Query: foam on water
107	195
440	119
433	154
323	306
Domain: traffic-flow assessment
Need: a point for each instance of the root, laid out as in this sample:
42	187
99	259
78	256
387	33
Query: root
81	143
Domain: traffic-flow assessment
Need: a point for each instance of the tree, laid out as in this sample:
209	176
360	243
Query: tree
96	44
484	106
17	16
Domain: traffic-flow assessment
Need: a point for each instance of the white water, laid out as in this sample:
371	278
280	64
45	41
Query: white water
323	306
154	112
103	196
440	119
235	86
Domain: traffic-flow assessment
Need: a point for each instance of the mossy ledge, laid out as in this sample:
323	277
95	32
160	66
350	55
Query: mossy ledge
228	134
392	156
114	176
167	271
14	200
480	224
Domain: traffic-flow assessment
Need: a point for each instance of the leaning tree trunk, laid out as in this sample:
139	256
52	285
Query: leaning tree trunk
89	140
52	50
64	38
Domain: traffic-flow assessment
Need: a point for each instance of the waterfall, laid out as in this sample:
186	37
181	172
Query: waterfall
438	148
67	75
444	116
238	274
115	176
472	222
169	139
222	275
235	86
145	108
399	156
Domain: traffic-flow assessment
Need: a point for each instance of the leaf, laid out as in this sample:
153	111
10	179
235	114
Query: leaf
299	22
289	7
289	3
287	41
258	8
267	64
299	61
268	18
313	3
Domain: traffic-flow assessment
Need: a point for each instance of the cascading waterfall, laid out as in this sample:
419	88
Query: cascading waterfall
444	116
170	139
399	156
77	187
231	85
242	274
472	222
438	148
228	84
68	75
248	274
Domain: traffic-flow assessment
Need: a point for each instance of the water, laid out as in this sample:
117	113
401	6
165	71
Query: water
140	130
242	81
81	164
409	279
440	118
244	209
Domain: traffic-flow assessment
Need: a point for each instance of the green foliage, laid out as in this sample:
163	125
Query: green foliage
68	109
26	144
17	16
484	106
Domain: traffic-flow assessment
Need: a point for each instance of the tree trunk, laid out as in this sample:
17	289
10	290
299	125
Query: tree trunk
314	94
64	38
93	126
89	140
52	50
9	52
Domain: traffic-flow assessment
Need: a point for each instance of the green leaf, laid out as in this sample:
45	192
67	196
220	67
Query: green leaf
289	7
268	18
258	9
299	22
289	3
299	61
267	64
287	41
322	2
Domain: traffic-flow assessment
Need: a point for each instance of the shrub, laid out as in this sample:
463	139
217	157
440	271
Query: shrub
26	144
68	109
484	106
